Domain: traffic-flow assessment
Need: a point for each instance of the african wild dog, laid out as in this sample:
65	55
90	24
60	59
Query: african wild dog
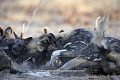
37	50
19	48
72	42
7	41
5	50
89	49
42	48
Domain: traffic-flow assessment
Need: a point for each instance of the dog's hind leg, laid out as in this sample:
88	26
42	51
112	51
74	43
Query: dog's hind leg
73	63
110	67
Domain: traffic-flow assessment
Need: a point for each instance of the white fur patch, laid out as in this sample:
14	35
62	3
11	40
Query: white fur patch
83	42
55	55
97	59
57	52
67	44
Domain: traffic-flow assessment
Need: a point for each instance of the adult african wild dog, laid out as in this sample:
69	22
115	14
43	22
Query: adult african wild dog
89	49
7	41
72	42
19	48
5	50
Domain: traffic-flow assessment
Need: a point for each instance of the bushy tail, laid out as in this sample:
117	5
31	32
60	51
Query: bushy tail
99	33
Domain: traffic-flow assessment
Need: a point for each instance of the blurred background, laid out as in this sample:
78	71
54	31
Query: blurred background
57	15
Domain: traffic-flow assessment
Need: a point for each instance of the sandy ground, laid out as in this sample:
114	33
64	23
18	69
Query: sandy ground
56	76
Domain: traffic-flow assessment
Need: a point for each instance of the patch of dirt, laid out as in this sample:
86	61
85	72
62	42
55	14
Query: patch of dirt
56	76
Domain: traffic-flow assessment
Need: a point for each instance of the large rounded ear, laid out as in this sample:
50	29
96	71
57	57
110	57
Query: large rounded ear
8	31
28	39
52	38
1	31
16	36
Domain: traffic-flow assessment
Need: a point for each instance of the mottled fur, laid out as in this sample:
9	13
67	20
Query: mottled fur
98	45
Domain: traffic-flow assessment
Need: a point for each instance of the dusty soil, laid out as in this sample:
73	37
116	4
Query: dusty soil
57	76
